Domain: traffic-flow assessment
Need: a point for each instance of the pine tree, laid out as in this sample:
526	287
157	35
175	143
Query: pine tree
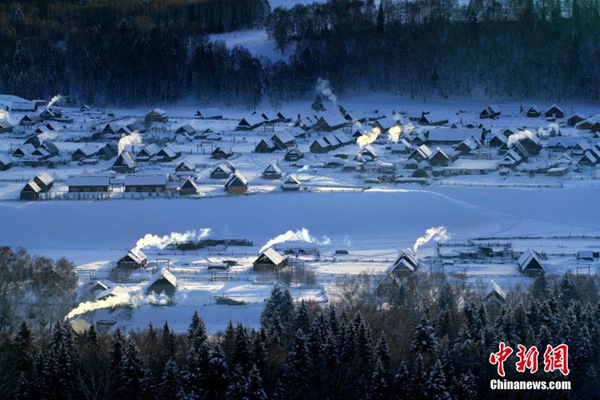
255	389
280	304
466	387
424	342
436	384
301	320
132	370
380	387
25	349
242	352
197	360
297	369
168	388
217	375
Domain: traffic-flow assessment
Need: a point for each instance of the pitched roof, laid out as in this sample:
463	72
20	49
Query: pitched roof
526	259
163	273
45	178
114	291
273	255
125	159
236	180
273	168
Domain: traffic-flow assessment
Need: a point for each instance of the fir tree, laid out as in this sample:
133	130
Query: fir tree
217	375
424	342
436	384
25	349
297	369
132	370
168	388
466	387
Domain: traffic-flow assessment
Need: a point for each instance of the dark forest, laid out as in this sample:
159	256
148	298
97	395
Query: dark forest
151	51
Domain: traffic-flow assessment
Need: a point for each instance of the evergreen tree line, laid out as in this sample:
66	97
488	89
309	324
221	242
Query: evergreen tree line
133	52
426	338
127	51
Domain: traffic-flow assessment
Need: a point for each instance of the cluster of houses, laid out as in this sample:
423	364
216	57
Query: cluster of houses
434	148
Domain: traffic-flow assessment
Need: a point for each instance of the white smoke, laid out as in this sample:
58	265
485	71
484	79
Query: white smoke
128	140
298	236
132	300
438	234
150	240
161	299
4	115
365	140
122	299
48	136
325	90
55	100
525	134
394	133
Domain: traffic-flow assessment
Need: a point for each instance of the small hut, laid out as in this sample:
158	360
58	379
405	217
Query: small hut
163	282
270	260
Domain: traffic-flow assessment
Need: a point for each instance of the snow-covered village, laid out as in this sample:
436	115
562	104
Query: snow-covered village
341	243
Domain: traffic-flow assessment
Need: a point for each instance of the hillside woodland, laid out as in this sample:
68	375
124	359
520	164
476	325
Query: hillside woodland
132	51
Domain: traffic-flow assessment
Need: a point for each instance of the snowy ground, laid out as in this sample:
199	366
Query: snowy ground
372	222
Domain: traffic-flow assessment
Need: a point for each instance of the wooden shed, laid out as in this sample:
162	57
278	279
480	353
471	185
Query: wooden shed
237	184
156	115
270	260
188	187
31	191
134	259
530	263
124	163
163	282
272	171
78	184
44	180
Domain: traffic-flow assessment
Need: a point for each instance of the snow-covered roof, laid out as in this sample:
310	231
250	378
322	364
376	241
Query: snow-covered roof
236	180
125	159
564	142
273	168
5	159
33	187
145	180
273	255
81	180
493	287
45	178
526	258
163	273
114	291
149	150
452	135
283	137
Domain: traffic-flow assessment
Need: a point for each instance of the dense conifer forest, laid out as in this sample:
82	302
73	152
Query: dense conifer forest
157	51
429	337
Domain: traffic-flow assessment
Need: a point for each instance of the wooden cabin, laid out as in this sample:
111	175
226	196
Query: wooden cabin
163	282
270	260
237	184
134	259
